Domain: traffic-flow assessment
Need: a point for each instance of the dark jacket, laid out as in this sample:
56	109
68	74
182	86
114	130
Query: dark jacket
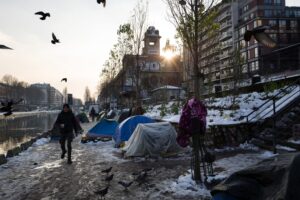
68	120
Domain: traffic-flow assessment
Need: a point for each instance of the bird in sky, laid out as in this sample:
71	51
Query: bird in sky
64	79
102	1
261	36
54	39
102	192
125	184
42	14
5	47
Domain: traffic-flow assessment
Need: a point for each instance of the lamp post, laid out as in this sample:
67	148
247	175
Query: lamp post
196	137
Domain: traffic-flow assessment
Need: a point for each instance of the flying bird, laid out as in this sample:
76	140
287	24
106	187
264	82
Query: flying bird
125	184
54	39
4	47
102	1
106	170
109	178
261	36
102	192
42	14
64	79
8	107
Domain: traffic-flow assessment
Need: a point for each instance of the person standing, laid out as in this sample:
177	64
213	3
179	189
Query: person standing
93	114
67	124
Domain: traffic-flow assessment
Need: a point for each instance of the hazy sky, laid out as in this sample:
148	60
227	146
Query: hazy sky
87	32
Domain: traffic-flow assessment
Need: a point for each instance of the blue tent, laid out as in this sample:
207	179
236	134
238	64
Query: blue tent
126	128
104	128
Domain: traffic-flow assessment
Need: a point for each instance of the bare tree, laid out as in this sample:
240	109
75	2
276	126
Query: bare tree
87	95
193	20
65	94
138	26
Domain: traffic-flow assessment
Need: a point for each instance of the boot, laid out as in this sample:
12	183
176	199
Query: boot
63	154
69	158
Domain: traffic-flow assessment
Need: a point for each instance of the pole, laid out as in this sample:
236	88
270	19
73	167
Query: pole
196	137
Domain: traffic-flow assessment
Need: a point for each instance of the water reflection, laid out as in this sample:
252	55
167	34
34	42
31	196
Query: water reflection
14	131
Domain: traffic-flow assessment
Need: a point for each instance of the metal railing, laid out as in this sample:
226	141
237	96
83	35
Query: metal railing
276	103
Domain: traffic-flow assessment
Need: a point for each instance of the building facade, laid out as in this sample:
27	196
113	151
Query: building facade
227	61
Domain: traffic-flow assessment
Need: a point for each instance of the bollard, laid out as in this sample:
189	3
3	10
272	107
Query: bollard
3	160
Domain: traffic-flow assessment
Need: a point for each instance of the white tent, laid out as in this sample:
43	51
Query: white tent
152	139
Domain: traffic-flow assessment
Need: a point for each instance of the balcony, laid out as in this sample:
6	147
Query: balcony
225	25
224	15
226	35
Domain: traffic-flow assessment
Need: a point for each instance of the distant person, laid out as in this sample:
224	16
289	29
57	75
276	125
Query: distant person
67	124
93	114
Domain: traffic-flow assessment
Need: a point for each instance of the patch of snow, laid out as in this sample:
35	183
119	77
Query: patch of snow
185	187
285	148
41	141
267	154
294	141
218	177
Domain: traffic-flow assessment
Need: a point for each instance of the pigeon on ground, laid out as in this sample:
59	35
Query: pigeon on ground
260	35
5	47
64	79
125	184
54	39
42	14
102	1
102	192
109	178
141	179
106	170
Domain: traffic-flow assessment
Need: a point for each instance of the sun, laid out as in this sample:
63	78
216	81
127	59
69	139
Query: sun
168	54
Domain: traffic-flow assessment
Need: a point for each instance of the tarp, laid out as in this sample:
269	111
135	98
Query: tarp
272	179
153	139
104	128
126	128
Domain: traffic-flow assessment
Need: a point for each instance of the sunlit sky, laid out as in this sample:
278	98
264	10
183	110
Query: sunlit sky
87	32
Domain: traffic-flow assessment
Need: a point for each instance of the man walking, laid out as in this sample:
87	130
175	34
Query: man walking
67	124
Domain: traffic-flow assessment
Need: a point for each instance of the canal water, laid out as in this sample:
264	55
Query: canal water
18	129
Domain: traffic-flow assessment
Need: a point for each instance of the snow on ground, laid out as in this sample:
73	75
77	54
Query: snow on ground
41	141
294	141
39	173
220	110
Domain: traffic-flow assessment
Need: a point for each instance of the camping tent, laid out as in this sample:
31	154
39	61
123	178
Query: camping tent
126	128
152	139
104	128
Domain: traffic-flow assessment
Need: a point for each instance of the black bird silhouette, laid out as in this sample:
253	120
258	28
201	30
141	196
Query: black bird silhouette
54	39
8	107
4	47
102	1
125	184
64	79
106	170
42	14
140	179
102	192
109	178
260	35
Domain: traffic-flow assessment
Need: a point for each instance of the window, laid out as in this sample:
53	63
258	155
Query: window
268	1
256	52
277	2
273	36
293	24
268	13
282	25
244	69
242	31
151	43
272	22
